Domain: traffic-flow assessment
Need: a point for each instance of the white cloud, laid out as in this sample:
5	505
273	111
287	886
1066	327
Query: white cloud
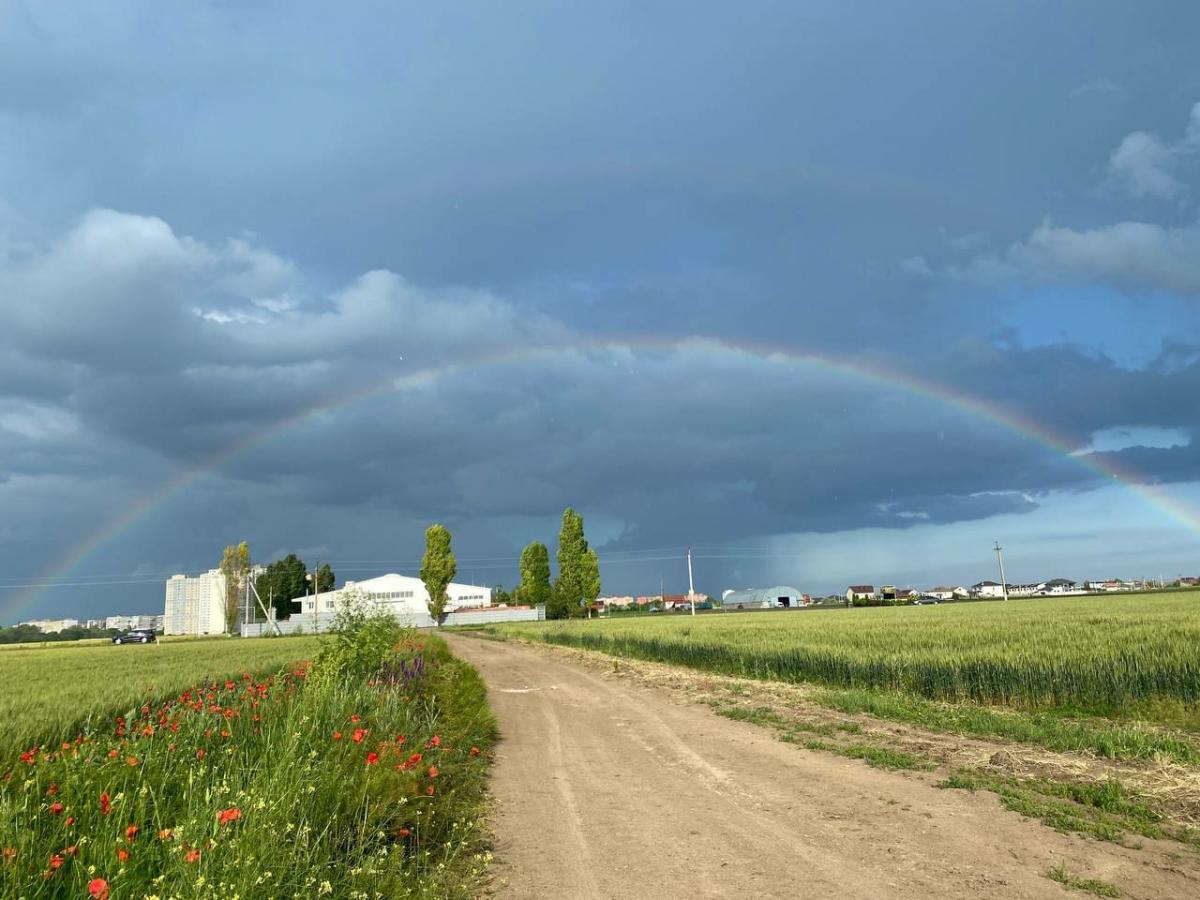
1145	165
1140	254
37	422
1100	87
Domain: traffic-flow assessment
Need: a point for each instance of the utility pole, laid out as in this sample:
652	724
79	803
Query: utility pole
691	587
1000	560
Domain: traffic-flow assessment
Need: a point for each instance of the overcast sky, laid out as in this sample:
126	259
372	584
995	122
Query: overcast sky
315	276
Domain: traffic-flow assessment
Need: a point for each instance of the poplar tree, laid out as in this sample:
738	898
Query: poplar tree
578	583
235	566
437	568
535	575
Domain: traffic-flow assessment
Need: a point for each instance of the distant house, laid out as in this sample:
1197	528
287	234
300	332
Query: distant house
946	592
1059	586
860	592
607	602
987	589
778	597
1025	590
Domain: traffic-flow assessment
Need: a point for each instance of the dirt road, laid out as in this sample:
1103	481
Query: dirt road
607	788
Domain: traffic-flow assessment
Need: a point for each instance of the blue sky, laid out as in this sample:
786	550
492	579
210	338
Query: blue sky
595	224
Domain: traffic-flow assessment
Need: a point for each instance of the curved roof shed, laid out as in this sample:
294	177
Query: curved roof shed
764	598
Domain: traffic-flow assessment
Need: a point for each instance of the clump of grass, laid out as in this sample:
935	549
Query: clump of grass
1106	810
1090	885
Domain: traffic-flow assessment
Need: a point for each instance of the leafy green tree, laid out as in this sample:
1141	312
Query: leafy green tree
590	580
282	583
437	568
235	566
578	583
534	589
325	579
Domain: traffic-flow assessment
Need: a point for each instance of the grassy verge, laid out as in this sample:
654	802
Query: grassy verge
363	775
1111	740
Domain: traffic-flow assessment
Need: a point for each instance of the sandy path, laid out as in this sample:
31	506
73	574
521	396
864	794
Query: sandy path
607	788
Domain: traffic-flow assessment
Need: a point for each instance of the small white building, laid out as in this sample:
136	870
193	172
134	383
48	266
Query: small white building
195	605
948	592
403	596
987	589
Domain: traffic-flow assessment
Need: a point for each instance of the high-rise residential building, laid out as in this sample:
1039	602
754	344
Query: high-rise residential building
195	605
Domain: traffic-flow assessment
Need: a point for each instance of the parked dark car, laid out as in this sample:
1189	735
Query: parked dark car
926	600
136	636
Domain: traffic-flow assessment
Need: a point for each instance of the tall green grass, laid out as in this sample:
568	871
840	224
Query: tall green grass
49	690
1100	655
360	776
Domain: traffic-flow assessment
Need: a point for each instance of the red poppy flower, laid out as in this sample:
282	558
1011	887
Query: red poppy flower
56	861
166	834
359	734
131	833
200	753
356	718
122	854
105	806
399	739
474	751
98	888
52	790
429	790
55	808
70	820
433	772
404	832
192	856
337	735
372	758
435	741
225	816
131	761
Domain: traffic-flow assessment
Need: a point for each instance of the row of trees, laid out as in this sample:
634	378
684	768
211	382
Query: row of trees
574	591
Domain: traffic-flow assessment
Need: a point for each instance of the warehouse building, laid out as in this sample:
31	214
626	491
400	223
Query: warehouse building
779	597
403	596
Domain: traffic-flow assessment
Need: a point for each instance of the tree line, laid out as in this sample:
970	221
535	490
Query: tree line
572	594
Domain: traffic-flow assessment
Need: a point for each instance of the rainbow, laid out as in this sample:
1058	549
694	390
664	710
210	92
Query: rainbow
786	359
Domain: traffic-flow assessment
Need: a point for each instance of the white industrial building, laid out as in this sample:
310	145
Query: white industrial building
195	605
779	597
403	596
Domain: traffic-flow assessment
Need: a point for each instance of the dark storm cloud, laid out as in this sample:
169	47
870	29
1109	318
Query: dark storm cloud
213	220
